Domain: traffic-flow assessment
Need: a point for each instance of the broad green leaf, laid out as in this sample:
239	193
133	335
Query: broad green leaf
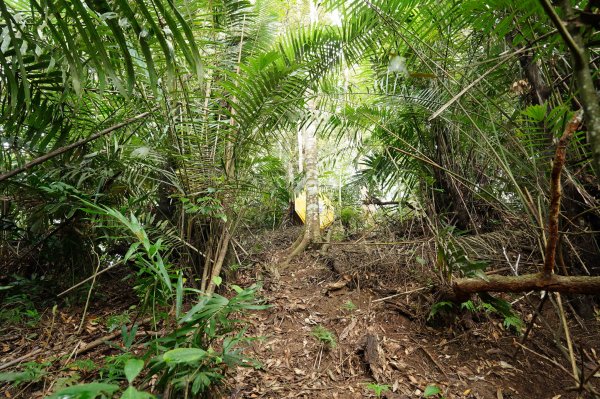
237	288
85	391
536	112
481	274
132	369
431	390
132	249
132	393
194	310
217	280
184	355
200	382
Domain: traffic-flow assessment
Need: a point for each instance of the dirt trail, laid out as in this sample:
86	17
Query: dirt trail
380	342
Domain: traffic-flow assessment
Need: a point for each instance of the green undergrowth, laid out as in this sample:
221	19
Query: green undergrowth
200	347
193	359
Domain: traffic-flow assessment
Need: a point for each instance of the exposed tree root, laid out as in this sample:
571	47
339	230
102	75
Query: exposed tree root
301	243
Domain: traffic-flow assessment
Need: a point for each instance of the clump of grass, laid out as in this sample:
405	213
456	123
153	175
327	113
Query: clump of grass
349	306
324	336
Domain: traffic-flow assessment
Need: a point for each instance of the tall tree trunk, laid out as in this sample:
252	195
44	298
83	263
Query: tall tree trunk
313	228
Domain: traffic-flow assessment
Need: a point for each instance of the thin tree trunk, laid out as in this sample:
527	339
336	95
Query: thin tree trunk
218	265
313	227
573	38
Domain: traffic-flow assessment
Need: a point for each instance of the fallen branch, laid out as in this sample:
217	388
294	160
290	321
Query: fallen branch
20	359
399	294
528	282
546	280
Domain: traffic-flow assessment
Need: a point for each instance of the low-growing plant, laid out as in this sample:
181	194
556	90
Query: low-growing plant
492	304
19	309
350	218
451	258
83	365
486	304
131	369
154	275
209	340
115	321
112	370
378	389
30	372
324	336
432	391
206	341
439	307
349	306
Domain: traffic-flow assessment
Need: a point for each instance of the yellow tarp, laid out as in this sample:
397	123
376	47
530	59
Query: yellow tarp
326	210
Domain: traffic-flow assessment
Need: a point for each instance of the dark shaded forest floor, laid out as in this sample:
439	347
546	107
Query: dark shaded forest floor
375	304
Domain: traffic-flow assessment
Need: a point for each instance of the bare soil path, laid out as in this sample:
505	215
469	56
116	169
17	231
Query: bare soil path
386	344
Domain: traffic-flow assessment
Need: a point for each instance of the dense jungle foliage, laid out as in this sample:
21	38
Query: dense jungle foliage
141	139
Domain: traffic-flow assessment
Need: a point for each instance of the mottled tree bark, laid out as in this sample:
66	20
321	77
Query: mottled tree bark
312	183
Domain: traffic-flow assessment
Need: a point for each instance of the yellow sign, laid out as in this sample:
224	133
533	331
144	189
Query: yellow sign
326	210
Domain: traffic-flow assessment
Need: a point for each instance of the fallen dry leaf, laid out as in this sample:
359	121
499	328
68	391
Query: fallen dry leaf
347	330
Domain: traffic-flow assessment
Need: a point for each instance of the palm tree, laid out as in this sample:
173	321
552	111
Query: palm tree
448	127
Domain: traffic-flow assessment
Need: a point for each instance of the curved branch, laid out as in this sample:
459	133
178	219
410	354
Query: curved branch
74	145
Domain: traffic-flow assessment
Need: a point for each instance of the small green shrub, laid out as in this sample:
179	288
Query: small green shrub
378	389
350	218
486	304
31	372
349	306
18	306
131	369
112	370
324	336
84	365
117	320
439	307
209	341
